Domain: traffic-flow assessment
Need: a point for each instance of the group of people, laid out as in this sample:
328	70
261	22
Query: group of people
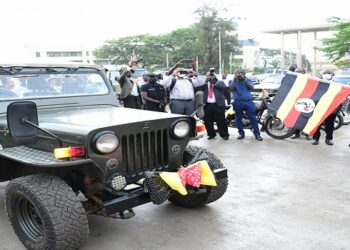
179	90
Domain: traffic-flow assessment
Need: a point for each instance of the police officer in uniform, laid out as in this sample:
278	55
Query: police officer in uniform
153	94
243	102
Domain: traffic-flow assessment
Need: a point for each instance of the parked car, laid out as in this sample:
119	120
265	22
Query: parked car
271	84
342	72
270	71
69	151
345	79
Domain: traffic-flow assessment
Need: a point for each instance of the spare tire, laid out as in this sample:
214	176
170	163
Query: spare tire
211	194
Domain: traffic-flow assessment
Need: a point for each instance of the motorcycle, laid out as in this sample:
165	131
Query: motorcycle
345	111
270	124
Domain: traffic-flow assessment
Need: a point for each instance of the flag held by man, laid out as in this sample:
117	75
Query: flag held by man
304	102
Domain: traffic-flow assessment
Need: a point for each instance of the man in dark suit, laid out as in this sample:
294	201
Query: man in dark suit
215	93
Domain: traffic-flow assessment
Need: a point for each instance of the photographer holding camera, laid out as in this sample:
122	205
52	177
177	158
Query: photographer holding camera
154	94
243	101
215	93
181	90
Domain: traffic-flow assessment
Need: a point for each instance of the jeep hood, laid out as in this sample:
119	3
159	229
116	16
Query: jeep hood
82	119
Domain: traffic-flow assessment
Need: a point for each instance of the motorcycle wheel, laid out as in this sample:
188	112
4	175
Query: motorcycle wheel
276	129
346	117
230	121
338	122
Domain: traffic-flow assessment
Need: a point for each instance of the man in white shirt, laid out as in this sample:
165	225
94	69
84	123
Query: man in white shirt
224	79
181	91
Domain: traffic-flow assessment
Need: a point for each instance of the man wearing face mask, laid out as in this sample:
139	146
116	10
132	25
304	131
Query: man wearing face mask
327	75
243	101
130	92
154	94
182	91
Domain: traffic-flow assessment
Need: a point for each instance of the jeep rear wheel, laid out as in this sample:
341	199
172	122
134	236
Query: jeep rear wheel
199	199
45	213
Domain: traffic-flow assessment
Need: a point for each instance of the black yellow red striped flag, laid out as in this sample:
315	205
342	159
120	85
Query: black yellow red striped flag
304	102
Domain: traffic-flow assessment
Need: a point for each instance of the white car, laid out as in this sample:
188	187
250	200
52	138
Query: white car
345	79
271	84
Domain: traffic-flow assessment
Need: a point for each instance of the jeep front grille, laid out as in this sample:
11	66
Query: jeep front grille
145	151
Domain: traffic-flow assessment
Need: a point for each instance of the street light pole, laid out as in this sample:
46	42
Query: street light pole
220	70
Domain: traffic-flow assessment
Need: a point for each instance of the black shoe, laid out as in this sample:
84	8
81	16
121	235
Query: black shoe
240	137
225	137
308	138
295	136
329	142
211	137
314	142
259	138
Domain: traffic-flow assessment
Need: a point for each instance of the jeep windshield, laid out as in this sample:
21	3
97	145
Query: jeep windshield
33	86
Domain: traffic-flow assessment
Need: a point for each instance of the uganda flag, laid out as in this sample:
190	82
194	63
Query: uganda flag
304	102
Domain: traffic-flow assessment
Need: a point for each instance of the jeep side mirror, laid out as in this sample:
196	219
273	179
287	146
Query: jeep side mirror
199	110
17	115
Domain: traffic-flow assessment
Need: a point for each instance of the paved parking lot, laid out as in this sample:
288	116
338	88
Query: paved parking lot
282	195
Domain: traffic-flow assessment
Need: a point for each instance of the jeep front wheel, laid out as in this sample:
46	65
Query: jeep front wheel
195	198
45	213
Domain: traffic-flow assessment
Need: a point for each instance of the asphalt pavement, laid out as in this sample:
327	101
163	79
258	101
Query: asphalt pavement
285	194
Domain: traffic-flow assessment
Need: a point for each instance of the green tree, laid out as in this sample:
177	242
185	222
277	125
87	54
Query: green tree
207	32
200	40
178	44
337	48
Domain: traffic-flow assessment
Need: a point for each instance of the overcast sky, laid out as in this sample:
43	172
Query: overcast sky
90	22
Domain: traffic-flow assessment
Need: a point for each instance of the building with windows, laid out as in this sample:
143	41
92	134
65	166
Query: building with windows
59	53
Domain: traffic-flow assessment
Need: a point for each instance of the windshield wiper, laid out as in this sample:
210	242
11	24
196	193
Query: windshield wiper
10	70
61	69
51	70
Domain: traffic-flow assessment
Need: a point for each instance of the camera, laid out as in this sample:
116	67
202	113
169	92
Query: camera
212	77
211	71
241	77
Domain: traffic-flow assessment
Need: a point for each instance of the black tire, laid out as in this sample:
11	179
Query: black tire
339	121
45	213
346	118
346	112
195	200
276	129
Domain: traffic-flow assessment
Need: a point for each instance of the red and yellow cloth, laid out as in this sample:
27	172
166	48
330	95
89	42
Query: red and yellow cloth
304	102
195	175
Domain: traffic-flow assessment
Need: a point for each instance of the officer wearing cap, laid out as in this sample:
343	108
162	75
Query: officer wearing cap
243	101
153	94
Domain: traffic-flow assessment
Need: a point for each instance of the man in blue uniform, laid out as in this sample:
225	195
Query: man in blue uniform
243	101
154	94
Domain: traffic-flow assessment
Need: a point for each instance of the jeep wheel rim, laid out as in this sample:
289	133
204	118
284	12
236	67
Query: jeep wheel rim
29	220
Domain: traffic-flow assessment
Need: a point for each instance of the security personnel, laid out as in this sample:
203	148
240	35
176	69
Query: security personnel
243	101
154	94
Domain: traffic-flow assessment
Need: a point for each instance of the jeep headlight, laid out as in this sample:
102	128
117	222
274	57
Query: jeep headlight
105	142
181	129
